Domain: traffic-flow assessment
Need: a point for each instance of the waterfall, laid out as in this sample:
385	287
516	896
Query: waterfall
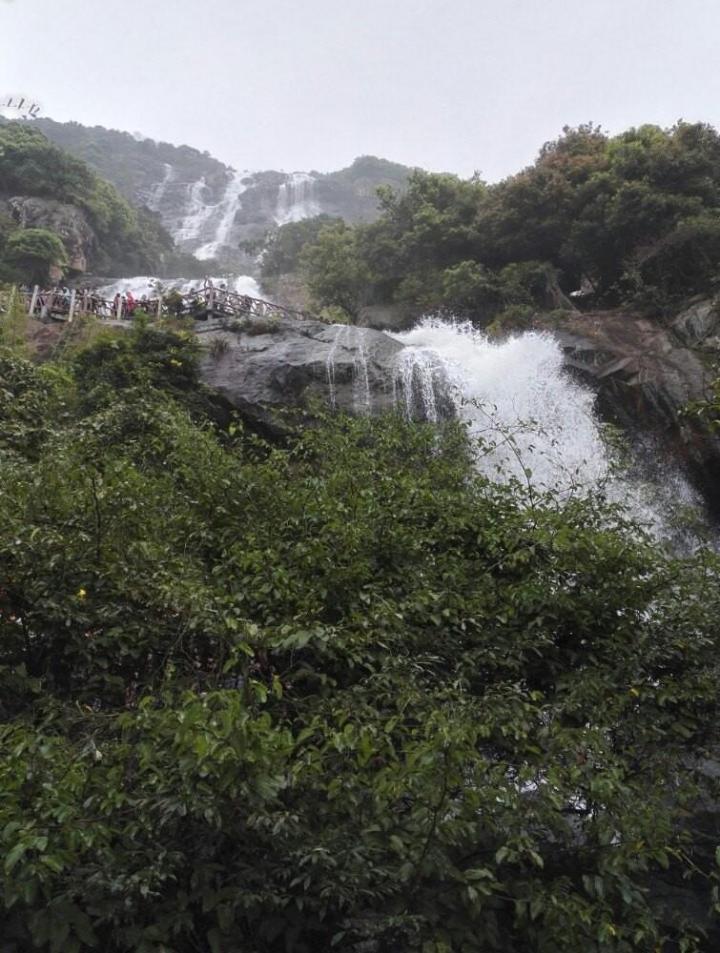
535	423
419	377
225	213
157	193
197	213
352	340
297	199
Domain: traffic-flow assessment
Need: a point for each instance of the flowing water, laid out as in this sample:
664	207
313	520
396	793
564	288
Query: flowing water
197	214
157	193
533	422
224	213
351	339
297	199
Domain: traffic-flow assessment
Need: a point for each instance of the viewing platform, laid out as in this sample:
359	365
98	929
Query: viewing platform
201	304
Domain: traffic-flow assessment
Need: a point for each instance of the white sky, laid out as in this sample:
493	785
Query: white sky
454	85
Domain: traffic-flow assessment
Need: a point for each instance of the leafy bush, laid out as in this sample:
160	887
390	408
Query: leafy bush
341	693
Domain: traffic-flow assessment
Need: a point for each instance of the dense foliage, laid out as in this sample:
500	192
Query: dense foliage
132	163
124	240
283	247
632	218
340	693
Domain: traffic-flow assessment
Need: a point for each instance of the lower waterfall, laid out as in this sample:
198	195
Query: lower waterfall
533	422
353	339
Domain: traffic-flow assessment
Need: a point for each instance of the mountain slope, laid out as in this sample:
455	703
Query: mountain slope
44	188
209	208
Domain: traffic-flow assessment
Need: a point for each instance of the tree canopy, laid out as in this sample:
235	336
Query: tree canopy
634	217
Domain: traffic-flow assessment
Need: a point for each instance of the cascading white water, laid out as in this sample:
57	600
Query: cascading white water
197	213
419	377
225	213
533	421
296	199
157	193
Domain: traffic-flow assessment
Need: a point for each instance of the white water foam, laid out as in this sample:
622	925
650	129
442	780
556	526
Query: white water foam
149	285
534	423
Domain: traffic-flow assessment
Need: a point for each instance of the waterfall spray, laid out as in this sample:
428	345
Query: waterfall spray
532	421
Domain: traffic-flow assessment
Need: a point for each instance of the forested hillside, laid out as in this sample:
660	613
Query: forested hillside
215	210
632	218
133	164
55	211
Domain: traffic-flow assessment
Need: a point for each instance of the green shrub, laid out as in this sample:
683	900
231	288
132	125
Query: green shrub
342	692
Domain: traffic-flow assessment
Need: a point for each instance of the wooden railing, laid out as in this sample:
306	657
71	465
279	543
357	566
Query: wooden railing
208	302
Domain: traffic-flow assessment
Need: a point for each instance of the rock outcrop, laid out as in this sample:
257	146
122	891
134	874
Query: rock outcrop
275	370
67	221
646	376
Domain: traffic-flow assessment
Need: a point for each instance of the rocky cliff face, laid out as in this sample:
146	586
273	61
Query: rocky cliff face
647	374
211	209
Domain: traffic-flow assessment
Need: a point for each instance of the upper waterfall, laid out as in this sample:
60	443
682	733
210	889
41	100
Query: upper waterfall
297	199
224	216
197	212
157	193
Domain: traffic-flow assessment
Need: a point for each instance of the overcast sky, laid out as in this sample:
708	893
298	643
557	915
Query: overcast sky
456	85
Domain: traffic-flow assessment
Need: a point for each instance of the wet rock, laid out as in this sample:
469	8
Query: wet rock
699	324
646	381
275	371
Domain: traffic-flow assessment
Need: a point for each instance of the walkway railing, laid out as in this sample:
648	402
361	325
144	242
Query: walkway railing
208	302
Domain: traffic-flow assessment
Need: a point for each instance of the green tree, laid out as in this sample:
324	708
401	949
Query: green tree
128	240
281	254
335	272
